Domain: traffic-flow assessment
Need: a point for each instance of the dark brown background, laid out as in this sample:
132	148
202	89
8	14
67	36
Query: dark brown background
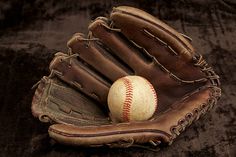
31	31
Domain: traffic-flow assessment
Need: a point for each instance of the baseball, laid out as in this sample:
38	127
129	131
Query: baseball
132	98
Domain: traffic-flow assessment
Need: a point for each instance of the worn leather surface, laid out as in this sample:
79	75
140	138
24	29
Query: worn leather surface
27	44
145	51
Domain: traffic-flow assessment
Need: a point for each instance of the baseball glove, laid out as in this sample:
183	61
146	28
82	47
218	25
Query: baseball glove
129	42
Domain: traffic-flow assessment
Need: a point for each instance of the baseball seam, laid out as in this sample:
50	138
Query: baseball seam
154	93
128	99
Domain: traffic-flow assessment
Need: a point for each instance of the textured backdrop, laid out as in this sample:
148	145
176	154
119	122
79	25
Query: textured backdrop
32	31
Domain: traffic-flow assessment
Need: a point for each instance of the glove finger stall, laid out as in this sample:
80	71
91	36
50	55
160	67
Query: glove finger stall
168	46
77	74
95	55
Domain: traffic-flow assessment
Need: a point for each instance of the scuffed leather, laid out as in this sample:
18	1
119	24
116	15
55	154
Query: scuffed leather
130	42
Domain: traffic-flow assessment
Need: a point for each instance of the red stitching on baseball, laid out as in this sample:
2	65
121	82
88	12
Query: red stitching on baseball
154	93
128	99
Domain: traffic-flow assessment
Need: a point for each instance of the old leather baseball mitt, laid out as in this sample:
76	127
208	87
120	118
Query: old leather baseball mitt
129	42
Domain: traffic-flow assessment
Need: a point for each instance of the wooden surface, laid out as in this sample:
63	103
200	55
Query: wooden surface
31	32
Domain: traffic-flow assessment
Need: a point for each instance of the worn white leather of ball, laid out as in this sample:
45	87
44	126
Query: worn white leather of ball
132	98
